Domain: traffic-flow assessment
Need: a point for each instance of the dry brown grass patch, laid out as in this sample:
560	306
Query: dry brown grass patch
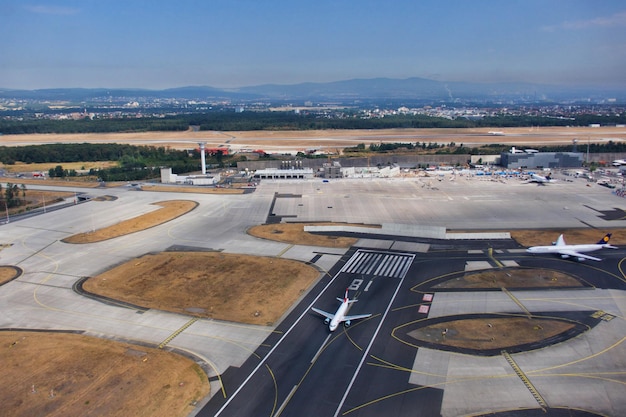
32	199
170	210
511	278
67	375
7	273
294	233
240	288
491	333
45	167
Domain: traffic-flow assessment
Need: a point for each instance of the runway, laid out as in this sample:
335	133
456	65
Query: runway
295	368
369	369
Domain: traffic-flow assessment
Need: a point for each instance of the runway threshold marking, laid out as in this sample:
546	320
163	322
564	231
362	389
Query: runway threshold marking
517	301
525	379
177	332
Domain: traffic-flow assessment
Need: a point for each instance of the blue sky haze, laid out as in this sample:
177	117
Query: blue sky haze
231	43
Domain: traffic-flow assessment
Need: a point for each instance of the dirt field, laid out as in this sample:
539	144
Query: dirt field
77	182
70	375
45	167
294	233
240	288
512	278
492	333
33	199
329	138
7	273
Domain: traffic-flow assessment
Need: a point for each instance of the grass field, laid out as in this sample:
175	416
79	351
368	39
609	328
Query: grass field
45	167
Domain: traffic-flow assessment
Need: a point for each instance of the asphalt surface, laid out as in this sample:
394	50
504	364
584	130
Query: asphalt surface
373	367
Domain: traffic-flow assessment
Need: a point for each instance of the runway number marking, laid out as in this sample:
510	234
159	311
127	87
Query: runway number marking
356	284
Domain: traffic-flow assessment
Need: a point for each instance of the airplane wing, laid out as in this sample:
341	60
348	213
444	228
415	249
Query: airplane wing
356	317
323	313
575	254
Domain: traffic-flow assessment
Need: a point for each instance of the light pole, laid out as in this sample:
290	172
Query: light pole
6	207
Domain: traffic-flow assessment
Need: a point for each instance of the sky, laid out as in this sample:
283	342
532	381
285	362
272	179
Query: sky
156	44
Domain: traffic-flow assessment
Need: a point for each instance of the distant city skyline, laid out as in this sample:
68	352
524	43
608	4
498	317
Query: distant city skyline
156	44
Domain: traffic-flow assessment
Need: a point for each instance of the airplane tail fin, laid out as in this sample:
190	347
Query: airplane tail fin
347	299
560	241
605	239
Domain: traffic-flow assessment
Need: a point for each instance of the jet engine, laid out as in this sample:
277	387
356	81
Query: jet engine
347	323
327	321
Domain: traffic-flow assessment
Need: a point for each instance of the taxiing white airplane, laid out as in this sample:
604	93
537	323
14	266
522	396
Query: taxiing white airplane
576	251
334	320
539	179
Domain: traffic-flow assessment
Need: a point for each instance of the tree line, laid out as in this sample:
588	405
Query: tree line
134	162
231	121
88	152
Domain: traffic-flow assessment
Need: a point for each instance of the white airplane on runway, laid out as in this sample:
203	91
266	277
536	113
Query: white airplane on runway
561	248
334	320
539	179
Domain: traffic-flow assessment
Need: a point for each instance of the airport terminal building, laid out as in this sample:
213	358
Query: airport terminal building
517	160
283	174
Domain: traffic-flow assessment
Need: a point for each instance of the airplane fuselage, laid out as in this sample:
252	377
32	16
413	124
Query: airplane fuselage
339	316
574	251
558	249
334	320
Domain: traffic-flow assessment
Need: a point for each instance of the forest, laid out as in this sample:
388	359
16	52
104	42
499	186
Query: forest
245	121
135	162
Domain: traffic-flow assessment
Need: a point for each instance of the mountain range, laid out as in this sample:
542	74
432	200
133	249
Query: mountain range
347	91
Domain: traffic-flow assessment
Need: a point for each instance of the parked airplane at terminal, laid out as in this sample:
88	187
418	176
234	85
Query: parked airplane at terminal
334	320
561	248
540	179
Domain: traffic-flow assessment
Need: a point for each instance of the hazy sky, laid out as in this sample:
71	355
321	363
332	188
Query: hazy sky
230	43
